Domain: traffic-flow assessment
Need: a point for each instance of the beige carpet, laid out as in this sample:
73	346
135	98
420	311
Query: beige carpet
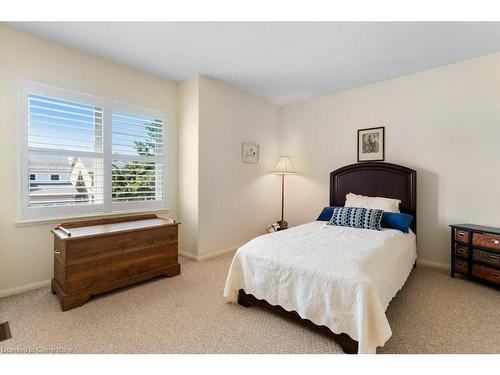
186	314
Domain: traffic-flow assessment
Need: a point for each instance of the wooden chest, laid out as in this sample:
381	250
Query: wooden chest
475	251
95	256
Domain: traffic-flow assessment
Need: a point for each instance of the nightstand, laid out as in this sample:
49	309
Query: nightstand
475	252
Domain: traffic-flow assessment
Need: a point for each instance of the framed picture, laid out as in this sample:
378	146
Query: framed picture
371	144
249	152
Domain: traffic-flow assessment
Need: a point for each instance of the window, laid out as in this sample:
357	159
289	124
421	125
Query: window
137	165
89	155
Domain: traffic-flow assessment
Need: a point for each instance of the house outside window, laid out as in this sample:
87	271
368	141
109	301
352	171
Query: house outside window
89	155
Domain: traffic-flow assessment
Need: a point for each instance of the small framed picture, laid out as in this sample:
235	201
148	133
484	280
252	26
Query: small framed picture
371	144
249	153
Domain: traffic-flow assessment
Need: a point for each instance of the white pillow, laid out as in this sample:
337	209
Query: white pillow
386	204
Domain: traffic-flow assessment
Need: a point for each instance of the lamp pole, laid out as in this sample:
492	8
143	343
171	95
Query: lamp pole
284	167
282	196
282	223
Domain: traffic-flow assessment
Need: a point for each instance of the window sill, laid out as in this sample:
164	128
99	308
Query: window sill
30	222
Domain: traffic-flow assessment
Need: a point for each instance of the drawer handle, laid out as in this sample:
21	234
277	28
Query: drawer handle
493	257
57	251
496	242
462	234
494	274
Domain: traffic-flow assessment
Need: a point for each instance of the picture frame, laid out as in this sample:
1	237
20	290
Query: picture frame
371	144
249	152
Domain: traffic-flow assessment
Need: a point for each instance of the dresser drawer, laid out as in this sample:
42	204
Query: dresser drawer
461	251
488	241
486	257
486	273
461	266
461	236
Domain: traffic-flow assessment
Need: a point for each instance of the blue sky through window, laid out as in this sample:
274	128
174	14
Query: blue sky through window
128	128
62	124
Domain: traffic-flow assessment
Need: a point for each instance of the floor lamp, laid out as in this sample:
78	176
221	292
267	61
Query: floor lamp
283	168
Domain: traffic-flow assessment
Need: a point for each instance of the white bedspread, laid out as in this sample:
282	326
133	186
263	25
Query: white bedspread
340	277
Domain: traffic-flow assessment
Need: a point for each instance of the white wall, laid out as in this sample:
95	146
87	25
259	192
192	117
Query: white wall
236	200
224	202
26	251
189	165
444	122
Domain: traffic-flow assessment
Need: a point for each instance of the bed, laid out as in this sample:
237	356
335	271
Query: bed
338	280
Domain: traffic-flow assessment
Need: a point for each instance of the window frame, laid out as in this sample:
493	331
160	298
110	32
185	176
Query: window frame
152	205
108	105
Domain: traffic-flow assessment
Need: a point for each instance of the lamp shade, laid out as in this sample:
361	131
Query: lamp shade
284	166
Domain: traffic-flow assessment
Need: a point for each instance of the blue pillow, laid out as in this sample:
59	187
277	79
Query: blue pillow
326	214
356	217
396	220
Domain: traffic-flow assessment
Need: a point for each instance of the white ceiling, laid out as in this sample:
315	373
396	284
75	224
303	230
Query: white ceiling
281	62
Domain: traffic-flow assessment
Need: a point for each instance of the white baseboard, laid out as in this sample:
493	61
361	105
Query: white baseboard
188	255
24	288
209	255
217	253
430	263
46	283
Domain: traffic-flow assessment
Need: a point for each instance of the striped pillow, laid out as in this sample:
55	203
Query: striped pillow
365	218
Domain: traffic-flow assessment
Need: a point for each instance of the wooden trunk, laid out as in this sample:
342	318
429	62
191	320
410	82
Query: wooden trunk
95	256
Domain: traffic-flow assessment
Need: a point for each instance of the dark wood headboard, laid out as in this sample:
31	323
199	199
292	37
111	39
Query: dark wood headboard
376	179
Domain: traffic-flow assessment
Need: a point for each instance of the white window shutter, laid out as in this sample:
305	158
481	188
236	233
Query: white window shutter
64	152
81	161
